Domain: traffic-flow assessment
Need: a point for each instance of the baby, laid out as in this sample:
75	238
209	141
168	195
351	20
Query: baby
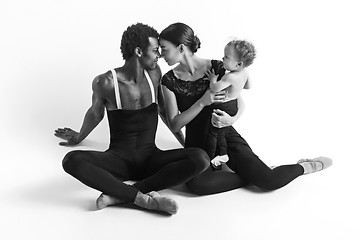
238	55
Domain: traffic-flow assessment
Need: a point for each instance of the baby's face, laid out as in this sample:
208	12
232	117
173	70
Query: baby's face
229	59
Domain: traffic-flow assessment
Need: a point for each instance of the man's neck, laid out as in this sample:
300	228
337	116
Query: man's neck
133	70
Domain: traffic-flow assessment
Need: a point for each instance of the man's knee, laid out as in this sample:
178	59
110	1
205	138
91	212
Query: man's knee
71	161
200	158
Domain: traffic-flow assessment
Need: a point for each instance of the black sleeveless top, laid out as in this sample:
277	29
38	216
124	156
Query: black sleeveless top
187	93
134	129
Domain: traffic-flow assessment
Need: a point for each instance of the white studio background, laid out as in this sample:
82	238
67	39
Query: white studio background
304	100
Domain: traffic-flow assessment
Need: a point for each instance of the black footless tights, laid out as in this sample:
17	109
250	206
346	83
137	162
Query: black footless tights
107	171
247	167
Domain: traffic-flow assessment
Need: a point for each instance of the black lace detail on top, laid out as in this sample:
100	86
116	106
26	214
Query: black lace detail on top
191	88
187	93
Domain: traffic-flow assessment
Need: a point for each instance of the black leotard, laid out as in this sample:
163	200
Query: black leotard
133	155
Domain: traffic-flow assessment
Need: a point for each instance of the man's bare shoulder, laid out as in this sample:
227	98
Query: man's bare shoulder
102	82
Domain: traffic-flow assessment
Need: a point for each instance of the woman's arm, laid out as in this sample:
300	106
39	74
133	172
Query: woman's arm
178	120
221	119
163	114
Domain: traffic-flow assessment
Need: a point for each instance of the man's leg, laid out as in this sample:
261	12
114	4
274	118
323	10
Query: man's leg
164	169
102	170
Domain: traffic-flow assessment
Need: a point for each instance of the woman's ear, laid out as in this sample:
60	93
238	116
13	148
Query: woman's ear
181	48
138	52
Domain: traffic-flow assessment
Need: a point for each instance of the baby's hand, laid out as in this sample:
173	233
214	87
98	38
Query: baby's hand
211	75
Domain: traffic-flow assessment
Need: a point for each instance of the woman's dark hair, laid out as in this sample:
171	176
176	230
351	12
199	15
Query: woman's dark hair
180	33
136	35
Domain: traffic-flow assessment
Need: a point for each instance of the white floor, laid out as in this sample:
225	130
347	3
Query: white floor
304	103
40	201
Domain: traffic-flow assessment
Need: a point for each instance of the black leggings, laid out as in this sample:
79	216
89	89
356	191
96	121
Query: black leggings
107	171
247	167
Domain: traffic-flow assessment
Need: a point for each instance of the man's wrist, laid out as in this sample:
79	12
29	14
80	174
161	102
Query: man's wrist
78	138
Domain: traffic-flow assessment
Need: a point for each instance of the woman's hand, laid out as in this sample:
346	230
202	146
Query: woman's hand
67	134
221	119
210	97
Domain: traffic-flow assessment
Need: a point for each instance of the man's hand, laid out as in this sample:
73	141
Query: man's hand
67	134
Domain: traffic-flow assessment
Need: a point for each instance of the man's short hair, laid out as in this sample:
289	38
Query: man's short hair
136	35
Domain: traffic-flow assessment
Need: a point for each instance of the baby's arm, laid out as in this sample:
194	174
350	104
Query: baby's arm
217	86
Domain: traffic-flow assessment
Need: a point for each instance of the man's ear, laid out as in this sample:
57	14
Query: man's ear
138	52
240	63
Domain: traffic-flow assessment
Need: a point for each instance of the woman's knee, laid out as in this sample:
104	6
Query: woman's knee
203	183
196	186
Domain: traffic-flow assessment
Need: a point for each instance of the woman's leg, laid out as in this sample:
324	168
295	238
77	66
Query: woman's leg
245	163
215	181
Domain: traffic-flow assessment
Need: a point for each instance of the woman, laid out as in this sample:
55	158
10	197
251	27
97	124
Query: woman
188	103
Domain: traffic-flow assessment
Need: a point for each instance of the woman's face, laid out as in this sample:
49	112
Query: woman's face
229	59
169	52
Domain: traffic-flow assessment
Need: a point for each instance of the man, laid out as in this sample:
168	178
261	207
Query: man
129	94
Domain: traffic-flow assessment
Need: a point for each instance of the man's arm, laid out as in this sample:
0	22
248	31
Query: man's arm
92	118
162	112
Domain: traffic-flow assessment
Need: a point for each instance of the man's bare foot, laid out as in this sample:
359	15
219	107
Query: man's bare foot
104	201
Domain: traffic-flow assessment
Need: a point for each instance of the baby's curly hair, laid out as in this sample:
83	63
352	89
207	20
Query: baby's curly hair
244	50
136	35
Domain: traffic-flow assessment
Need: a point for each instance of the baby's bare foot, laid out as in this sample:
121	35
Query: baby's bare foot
218	160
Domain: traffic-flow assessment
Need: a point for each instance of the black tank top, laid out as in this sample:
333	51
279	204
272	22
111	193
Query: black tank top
133	129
